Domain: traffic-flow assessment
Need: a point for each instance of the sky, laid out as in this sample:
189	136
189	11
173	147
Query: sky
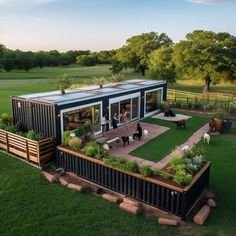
106	24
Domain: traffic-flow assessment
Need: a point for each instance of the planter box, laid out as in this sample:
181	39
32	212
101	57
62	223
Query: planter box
168	197
37	152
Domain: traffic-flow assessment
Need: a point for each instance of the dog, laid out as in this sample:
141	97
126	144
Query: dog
126	139
185	148
206	138
146	134
180	124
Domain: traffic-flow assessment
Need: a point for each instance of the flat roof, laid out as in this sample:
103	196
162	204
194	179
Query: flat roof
89	92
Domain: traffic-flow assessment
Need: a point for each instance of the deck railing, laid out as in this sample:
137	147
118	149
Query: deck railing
165	196
37	152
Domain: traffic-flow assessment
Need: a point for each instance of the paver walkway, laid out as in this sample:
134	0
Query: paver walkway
119	151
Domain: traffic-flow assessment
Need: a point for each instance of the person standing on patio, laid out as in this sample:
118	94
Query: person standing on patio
103	123
114	121
138	133
123	119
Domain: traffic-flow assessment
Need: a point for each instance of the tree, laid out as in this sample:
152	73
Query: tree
64	83
24	60
65	59
76	53
161	65
86	60
105	57
8	60
2	52
41	59
137	50
206	55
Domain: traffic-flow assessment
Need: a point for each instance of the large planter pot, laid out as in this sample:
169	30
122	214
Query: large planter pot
219	124
226	127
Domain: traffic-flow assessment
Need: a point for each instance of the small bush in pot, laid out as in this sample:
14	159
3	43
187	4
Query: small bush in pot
75	143
182	178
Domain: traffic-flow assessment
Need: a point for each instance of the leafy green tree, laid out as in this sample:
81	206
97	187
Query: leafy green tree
41	59
161	65
206	55
64	83
65	59
53	58
25	60
76	53
2	52
8	60
137	50
86	60
105	57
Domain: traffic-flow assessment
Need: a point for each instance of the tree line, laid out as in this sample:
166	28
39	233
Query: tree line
204	55
17	59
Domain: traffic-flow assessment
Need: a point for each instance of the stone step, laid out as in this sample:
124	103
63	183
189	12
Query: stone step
202	215
130	208
63	181
76	187
50	177
110	198
131	202
166	221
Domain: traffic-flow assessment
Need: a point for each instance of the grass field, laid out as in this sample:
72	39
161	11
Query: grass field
31	206
45	79
159	147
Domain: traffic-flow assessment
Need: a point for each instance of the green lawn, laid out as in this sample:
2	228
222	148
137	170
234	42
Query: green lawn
32	206
45	79
159	147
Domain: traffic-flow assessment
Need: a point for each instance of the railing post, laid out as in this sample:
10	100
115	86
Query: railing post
27	149
7	142
38	153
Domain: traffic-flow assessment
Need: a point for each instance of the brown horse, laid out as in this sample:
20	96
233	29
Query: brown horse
212	125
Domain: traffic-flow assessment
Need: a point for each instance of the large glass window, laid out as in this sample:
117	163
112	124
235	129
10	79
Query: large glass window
153	100
135	108
76	118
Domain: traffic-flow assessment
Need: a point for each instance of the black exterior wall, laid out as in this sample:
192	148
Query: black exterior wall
45	118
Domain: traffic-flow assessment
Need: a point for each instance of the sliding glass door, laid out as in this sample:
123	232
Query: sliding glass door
153	99
129	104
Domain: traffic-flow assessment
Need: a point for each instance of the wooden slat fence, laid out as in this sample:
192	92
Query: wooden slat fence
37	152
222	99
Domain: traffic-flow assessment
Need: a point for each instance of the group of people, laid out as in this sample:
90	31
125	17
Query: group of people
122	118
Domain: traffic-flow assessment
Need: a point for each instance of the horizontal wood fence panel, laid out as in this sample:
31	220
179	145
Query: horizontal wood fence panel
159	194
37	152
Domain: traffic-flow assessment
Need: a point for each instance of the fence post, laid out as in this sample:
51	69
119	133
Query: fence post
38	153
27	149
7	142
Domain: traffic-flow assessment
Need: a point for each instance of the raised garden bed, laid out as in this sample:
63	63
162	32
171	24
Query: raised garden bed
165	195
37	152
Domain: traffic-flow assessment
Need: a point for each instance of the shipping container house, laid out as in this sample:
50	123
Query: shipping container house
52	113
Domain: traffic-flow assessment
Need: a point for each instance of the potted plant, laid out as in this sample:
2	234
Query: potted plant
64	83
219	117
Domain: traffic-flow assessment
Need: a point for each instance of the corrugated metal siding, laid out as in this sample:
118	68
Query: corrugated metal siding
33	115
142	190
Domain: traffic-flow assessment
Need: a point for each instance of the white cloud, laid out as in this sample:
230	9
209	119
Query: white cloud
20	2
211	1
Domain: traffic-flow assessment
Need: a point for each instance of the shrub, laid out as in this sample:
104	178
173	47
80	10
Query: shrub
132	166
6	119
145	171
197	105
190	105
178	104
31	134
11	128
66	137
80	131
93	149
156	172
75	143
176	161
164	174
182	178
219	114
